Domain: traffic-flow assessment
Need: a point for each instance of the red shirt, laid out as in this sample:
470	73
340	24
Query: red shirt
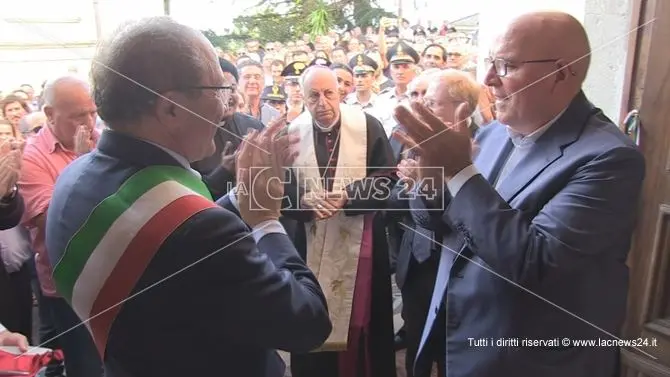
43	160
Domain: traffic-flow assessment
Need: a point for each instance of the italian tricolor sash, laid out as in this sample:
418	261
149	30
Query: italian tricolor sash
106	257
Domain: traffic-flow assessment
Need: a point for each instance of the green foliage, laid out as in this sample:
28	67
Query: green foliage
266	25
319	20
226	42
313	17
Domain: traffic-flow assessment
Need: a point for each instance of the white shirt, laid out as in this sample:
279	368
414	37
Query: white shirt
520	142
384	108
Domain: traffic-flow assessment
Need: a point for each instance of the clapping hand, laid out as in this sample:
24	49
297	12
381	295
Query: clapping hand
260	172
408	171
228	157
84	140
446	146
11	154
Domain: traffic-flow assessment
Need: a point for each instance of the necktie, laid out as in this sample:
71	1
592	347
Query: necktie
422	242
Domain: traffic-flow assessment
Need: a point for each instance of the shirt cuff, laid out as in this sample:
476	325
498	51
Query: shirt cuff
267	227
2	328
455	184
262	229
232	196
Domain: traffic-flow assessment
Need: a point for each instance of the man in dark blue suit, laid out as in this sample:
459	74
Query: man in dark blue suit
168	282
538	225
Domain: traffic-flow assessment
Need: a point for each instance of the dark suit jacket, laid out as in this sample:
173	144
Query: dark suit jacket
11	212
219	180
401	214
231	303
553	238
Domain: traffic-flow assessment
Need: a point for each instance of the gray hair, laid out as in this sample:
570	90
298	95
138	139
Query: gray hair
141	60
51	86
460	86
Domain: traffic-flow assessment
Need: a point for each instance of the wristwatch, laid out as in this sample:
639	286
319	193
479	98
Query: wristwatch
5	200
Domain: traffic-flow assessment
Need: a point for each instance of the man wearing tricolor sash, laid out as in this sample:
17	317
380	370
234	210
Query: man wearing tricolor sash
341	178
168	282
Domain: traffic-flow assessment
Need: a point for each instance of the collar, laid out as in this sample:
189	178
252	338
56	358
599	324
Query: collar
50	138
320	129
140	152
521	141
399	97
180	159
51	141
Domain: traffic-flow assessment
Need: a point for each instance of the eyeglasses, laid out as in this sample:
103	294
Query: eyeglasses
501	65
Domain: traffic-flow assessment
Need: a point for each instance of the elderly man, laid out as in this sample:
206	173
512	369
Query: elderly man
416	90
416	261
538	225
344	176
418	256
68	134
144	255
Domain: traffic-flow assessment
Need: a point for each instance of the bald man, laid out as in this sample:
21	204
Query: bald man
68	133
344	175
537	226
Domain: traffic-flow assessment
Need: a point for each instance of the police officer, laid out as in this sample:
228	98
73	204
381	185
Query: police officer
364	68
275	96
403	60
294	99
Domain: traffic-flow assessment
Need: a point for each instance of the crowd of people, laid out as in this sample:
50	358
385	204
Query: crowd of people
190	211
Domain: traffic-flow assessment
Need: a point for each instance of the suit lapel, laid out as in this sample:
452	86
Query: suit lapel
540	156
548	148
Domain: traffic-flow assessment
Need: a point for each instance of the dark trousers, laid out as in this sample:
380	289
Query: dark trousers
81	356
416	295
17	300
321	364
47	333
